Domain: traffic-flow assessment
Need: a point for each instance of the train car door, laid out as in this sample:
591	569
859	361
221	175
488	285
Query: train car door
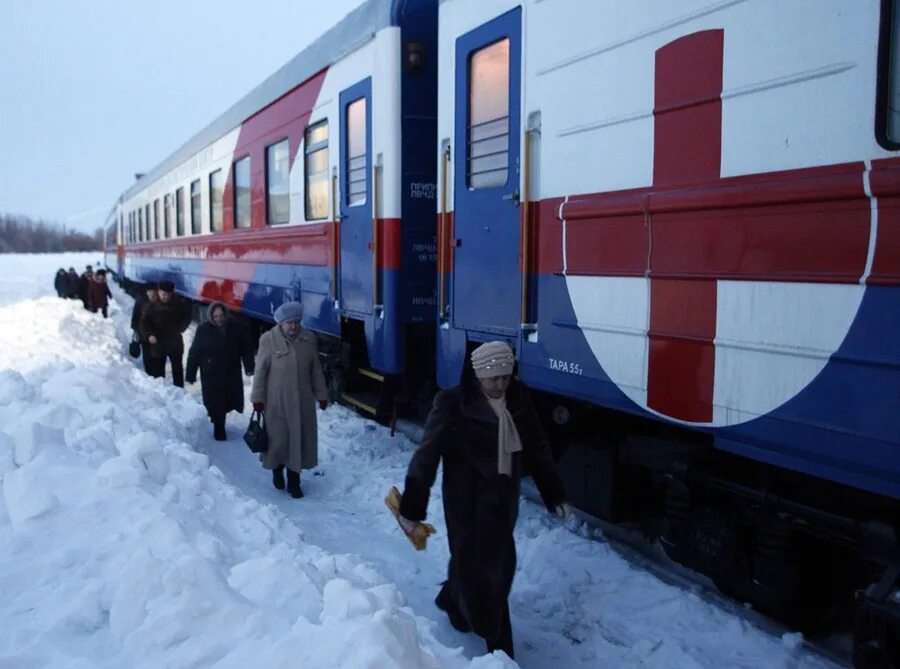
486	280
356	198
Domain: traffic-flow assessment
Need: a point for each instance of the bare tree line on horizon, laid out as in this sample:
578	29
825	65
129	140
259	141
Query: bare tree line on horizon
22	234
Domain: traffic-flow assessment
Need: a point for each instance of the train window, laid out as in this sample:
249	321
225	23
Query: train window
316	143
167	215
216	191
242	193
278	200
156	219
196	211
889	85
140	224
357	160
179	212
488	160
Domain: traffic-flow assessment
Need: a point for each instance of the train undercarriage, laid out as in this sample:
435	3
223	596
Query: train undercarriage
818	556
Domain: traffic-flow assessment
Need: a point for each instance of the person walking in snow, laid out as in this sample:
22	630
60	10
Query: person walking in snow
72	284
140	303
61	283
219	347
84	282
287	384
162	323
98	293
484	430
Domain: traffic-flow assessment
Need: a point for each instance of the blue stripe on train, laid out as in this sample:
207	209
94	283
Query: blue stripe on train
844	426
273	284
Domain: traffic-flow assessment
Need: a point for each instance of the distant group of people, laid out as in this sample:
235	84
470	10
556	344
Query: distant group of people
90	287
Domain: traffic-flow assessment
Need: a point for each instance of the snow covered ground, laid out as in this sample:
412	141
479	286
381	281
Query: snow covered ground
131	539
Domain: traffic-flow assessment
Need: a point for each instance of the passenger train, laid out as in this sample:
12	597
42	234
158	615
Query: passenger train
683	216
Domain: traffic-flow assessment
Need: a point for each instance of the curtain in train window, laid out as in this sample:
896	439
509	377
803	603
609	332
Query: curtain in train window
488	159
179	212
196	211
216	192
167	215
357	159
316	149
278	197
242	193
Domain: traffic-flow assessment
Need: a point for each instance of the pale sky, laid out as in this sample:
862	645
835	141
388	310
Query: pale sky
92	91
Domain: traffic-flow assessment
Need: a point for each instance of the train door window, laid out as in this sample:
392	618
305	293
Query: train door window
179	212
488	141
216	191
357	160
167	215
156	219
278	200
196	211
316	168
242	215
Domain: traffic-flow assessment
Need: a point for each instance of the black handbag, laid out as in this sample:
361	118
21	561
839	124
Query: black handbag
134	349
255	437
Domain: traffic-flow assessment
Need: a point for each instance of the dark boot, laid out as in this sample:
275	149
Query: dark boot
219	433
444	601
293	484
278	478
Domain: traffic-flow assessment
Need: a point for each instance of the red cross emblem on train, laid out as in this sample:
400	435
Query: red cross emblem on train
712	299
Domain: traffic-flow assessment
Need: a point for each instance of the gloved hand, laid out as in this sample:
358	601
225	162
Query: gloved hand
259	406
563	510
323	404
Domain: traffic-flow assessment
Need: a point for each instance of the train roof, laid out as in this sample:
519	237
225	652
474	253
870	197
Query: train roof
351	32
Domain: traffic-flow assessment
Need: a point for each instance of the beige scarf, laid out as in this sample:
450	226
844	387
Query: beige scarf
508	441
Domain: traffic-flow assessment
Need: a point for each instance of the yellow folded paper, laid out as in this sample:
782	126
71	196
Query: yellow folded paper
419	534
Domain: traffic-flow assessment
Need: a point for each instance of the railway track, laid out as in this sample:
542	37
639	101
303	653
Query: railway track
649	556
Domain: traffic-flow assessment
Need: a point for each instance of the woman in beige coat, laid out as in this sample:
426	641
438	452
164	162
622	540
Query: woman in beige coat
287	383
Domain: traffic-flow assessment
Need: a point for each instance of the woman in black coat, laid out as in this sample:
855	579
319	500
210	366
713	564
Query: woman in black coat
484	430
218	349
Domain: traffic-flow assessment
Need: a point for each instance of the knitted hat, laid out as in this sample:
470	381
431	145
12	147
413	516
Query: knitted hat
289	311
166	286
492	359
